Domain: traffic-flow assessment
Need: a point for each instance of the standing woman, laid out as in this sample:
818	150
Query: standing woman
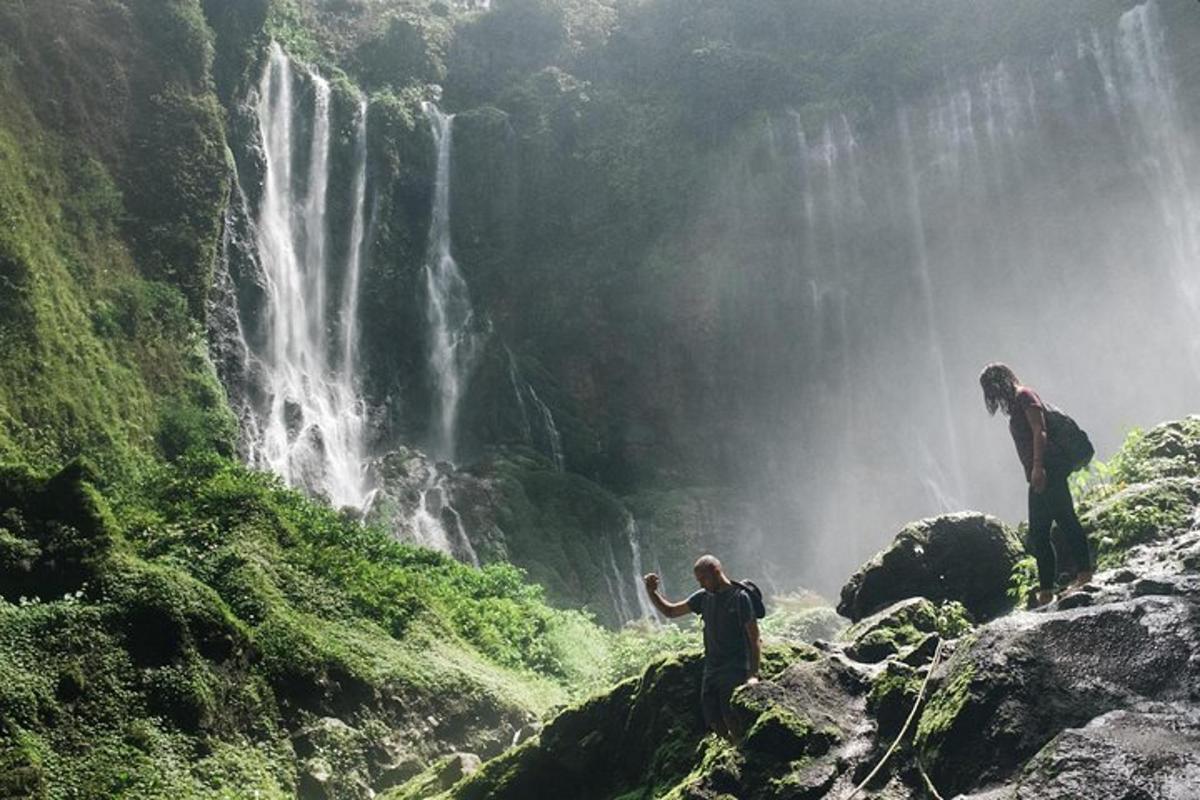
1049	495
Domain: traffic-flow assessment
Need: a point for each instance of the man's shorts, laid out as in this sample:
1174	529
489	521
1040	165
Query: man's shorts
715	694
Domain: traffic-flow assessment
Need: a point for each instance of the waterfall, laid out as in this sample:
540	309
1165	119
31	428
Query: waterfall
1165	152
948	497
616	587
453	343
514	377
354	256
619	581
312	425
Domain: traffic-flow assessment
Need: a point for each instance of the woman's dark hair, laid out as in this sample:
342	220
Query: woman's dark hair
999	384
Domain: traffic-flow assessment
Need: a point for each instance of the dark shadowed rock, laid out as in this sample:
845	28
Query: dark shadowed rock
1030	676
966	557
1123	755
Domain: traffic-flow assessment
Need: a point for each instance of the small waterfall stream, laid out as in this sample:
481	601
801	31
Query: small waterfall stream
428	522
454	343
633	534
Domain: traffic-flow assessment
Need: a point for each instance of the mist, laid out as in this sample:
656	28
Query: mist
1041	213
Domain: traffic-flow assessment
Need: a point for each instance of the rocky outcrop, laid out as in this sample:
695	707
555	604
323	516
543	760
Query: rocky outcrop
1094	696
1132	641
966	557
1084	699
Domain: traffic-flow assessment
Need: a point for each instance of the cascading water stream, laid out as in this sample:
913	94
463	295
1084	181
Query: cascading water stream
514	377
553	437
358	237
947	488
312	426
453	342
617	587
428	522
521	388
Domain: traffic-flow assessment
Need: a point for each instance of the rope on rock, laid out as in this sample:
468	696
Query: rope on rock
928	783
933	665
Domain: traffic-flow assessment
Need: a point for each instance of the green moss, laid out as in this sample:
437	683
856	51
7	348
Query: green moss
897	681
1147	491
720	767
780	733
89	348
943	708
496	777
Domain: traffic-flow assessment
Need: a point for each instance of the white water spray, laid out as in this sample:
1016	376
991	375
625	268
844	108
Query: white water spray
428	522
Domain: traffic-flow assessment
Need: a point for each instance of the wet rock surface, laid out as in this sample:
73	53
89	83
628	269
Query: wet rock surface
1153	753
966	557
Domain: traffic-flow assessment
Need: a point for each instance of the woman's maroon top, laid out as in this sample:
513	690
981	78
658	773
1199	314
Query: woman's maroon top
1018	426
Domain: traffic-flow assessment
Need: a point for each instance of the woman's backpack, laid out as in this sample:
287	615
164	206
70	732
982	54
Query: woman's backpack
1067	445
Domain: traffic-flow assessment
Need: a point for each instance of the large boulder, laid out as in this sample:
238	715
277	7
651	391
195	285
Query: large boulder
966	557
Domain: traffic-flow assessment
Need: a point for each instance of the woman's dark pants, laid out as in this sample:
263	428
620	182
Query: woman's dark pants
1054	504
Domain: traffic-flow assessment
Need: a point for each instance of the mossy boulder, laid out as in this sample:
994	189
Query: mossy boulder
904	628
643	738
1140	513
54	532
967	557
889	631
436	779
784	735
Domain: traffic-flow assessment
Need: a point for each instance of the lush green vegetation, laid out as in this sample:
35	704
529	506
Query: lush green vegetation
210	608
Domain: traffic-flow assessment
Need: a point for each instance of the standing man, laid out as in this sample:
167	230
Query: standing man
1049	494
732	648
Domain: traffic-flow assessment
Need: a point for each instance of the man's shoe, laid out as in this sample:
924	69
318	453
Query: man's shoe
1042	597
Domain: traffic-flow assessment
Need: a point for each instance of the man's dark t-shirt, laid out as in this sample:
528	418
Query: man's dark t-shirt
726	647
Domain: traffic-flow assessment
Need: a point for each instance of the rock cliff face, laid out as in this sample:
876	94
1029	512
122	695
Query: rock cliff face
1096	695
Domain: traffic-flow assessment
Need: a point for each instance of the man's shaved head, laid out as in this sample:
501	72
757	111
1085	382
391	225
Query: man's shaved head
709	574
